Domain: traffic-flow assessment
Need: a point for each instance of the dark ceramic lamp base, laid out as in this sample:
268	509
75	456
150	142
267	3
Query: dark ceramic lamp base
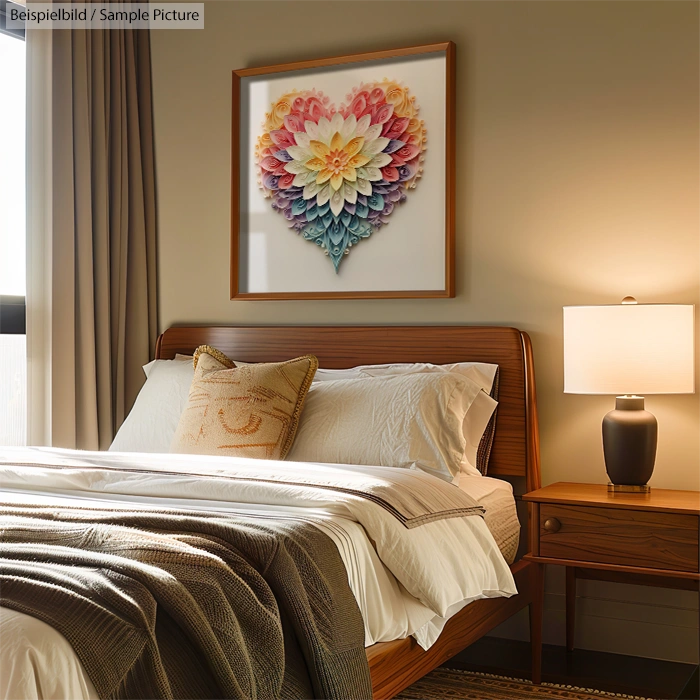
629	445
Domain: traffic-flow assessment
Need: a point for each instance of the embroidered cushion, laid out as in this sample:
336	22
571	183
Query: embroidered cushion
247	411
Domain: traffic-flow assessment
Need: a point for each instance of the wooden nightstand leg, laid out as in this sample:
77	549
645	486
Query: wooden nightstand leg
536	614
570	607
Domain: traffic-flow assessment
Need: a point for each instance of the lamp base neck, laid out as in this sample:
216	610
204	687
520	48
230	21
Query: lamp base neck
629	403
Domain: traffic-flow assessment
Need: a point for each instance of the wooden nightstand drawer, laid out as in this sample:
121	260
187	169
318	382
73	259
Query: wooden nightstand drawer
639	538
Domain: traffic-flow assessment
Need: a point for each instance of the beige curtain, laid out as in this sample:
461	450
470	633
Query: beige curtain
95	316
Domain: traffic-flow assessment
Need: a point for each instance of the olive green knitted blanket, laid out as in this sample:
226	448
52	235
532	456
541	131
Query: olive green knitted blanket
187	604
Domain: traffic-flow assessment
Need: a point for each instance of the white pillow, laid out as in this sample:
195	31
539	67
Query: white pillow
475	423
405	420
483	373
479	414
151	423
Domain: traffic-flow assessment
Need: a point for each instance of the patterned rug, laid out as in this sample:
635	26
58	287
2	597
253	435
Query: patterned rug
452	684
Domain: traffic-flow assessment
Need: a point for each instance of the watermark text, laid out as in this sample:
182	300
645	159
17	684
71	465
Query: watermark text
108	15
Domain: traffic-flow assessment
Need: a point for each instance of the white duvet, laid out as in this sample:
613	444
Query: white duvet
409	583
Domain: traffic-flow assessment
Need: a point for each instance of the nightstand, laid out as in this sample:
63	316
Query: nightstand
648	539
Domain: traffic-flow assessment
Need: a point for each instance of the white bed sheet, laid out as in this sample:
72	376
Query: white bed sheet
501	518
38	662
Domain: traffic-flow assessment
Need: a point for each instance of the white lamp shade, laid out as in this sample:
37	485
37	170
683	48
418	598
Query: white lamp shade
629	349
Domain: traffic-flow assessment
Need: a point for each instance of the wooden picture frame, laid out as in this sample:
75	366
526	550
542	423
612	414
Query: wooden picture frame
373	267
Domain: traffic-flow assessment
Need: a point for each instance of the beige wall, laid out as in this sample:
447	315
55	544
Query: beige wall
577	161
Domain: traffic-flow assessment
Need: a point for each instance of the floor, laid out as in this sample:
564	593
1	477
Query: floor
614	673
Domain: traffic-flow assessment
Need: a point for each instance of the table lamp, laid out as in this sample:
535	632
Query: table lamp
629	350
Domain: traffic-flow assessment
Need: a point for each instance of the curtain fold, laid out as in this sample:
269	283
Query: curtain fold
101	308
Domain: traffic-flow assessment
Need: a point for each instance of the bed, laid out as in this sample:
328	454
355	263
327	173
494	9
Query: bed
395	665
515	455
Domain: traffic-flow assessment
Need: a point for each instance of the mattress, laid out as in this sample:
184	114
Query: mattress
38	662
501	514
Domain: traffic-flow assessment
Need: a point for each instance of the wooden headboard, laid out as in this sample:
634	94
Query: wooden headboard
516	444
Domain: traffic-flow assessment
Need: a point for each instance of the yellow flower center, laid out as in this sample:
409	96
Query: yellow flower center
336	161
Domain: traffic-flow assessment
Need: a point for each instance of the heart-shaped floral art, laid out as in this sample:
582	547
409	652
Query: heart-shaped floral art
336	173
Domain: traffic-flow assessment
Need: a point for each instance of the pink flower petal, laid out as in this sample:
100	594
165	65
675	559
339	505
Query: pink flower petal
358	106
383	114
408	152
285	182
390	174
398	126
282	138
376	96
293	123
270	163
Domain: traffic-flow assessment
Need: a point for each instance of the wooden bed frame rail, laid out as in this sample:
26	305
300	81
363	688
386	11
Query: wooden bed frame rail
515	454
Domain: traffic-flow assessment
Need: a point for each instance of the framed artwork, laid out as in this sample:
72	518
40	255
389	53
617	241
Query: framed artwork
343	177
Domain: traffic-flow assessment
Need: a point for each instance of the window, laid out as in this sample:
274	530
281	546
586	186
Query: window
13	358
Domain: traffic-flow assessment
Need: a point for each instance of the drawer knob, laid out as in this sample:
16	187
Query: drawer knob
552	525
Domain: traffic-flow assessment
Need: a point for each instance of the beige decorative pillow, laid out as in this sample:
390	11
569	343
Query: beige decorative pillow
248	411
